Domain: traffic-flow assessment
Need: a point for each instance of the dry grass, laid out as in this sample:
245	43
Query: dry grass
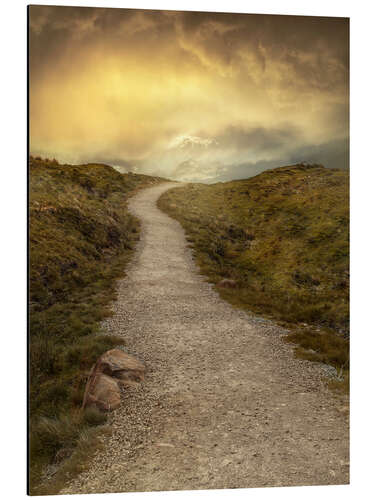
81	237
79	441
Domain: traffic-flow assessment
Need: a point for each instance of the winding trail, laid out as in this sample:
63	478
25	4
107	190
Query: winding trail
225	404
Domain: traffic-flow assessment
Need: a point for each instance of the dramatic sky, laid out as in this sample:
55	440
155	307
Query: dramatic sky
190	96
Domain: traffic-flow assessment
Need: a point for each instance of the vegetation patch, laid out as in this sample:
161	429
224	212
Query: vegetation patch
283	236
81	236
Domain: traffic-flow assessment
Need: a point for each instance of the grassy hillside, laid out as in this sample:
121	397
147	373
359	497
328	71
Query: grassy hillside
81	236
283	237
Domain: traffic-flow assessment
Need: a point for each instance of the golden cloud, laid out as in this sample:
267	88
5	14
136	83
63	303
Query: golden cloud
125	84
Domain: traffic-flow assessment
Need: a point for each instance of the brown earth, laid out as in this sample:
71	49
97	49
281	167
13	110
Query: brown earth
224	403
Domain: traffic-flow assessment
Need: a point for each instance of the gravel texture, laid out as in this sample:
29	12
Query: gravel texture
224	403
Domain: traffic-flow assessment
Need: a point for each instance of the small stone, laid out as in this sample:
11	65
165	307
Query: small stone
116	363
227	283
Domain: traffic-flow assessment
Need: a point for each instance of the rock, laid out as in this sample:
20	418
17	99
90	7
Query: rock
116	363
114	367
102	391
227	283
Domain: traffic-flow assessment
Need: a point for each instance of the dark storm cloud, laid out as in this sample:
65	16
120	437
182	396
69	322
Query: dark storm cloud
334	154
256	138
305	44
315	49
56	32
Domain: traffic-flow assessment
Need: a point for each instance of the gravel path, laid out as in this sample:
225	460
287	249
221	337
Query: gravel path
225	404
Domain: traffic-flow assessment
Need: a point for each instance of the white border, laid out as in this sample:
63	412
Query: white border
13	209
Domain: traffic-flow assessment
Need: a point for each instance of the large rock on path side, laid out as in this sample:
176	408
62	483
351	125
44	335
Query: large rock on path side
122	366
103	392
113	368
